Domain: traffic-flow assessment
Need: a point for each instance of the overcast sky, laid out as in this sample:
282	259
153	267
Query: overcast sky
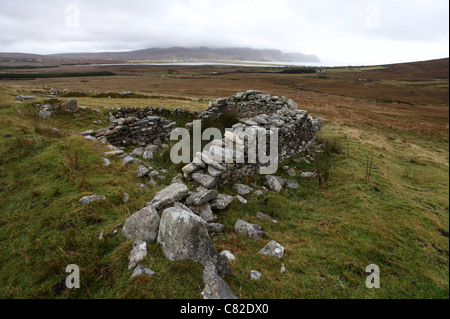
338	31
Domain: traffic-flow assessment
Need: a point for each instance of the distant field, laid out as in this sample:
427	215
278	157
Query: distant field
399	219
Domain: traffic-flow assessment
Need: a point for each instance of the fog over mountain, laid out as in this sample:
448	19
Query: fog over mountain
351	31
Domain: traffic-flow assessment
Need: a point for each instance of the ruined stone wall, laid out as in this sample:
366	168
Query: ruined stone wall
296	132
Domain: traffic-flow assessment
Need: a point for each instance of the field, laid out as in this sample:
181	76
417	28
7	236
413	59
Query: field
398	219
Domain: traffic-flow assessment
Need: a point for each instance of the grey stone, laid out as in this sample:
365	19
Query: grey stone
273	249
221	202
255	275
129	160
201	197
141	270
144	225
251	230
169	195
137	151
106	162
114	153
228	254
126	197
308	174
242	189
70	106
264	217
291	184
206	180
86	200
46	114
214	228
215	286
275	183
147	155
206	213
241	199
138	253
189	169
183	236
141	171
291	172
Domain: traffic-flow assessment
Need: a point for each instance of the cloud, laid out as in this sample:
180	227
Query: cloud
362	31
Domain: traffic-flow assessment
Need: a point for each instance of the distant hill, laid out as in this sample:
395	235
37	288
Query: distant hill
182	54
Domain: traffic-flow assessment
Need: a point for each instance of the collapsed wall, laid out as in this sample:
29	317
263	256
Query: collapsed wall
229	159
138	126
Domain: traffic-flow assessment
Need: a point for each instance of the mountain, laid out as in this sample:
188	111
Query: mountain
187	54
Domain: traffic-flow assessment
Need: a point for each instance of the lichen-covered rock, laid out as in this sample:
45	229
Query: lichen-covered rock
251	230
141	270
143	225
242	189
183	235
273	249
202	197
166	197
138	253
70	106
221	202
215	286
86	200
275	183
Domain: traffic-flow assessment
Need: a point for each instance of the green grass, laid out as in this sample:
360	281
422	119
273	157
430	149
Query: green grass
396	220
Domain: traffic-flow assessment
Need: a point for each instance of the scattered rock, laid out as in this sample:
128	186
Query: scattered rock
45	113
206	180
206	213
291	172
228	254
214	228
255	275
141	171
141	270
251	230
129	160
70	106
201	197
114	153
273	249
308	174
275	183
241	199
138	253
242	189
147	155
137	151
106	162
283	268
215	286
264	217
221	202
143	225
126	197
291	184
86	200
169	195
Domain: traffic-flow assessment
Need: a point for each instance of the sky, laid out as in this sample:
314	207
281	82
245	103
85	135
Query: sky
359	32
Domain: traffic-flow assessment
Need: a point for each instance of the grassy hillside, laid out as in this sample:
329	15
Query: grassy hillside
399	219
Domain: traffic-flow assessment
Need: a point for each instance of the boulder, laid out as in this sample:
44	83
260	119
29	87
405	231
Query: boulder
143	225
70	106
273	249
183	236
166	197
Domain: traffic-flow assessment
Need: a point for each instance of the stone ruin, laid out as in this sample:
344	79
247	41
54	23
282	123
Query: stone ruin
182	220
228	159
